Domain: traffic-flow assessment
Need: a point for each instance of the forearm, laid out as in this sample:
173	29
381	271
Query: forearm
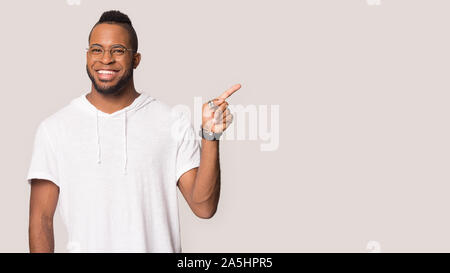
206	188
41	238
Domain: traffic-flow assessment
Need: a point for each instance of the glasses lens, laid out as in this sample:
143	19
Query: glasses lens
118	51
95	50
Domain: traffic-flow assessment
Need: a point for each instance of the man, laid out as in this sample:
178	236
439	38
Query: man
113	157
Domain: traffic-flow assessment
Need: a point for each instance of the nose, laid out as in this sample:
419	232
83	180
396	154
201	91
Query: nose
107	57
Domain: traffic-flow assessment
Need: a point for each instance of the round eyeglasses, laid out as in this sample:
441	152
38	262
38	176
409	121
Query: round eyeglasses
115	51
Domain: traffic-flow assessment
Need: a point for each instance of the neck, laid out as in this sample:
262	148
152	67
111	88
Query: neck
110	103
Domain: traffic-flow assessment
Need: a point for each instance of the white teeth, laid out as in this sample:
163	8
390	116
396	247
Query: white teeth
106	72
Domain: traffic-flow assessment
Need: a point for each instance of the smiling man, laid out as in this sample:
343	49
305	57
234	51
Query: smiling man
113	158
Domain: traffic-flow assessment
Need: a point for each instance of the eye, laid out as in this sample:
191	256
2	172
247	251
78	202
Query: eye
118	51
96	50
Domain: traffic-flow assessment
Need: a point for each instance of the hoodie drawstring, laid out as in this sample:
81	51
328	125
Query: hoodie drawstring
143	100
98	143
125	142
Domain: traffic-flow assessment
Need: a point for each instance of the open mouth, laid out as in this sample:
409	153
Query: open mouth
106	74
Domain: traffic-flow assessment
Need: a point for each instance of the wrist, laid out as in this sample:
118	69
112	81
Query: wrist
208	134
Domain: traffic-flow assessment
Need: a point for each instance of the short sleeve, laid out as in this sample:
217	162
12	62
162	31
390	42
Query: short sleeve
43	159
189	150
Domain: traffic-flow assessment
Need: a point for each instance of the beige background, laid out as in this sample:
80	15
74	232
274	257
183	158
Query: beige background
363	92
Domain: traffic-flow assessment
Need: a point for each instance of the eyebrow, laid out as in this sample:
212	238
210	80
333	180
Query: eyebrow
114	45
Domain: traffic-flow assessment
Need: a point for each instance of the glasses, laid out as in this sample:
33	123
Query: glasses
116	51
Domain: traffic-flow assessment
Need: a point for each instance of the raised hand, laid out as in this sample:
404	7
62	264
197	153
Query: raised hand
218	117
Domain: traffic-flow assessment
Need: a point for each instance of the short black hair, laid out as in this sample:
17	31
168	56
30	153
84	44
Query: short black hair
117	17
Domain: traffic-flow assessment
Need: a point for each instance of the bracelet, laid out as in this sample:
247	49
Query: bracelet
208	135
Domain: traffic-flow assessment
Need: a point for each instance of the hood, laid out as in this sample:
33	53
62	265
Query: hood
141	101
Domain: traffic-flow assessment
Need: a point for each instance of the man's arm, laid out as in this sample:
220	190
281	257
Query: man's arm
201	186
43	200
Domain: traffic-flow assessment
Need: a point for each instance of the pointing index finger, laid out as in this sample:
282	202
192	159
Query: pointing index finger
230	91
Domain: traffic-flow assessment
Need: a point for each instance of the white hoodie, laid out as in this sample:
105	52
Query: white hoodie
117	173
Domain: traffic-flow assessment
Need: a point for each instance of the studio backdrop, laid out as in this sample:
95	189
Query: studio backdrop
341	137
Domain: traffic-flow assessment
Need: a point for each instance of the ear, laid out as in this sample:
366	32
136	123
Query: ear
136	60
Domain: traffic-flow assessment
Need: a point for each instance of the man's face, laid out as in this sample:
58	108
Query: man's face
110	73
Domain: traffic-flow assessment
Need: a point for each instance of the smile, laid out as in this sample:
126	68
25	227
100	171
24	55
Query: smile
106	74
